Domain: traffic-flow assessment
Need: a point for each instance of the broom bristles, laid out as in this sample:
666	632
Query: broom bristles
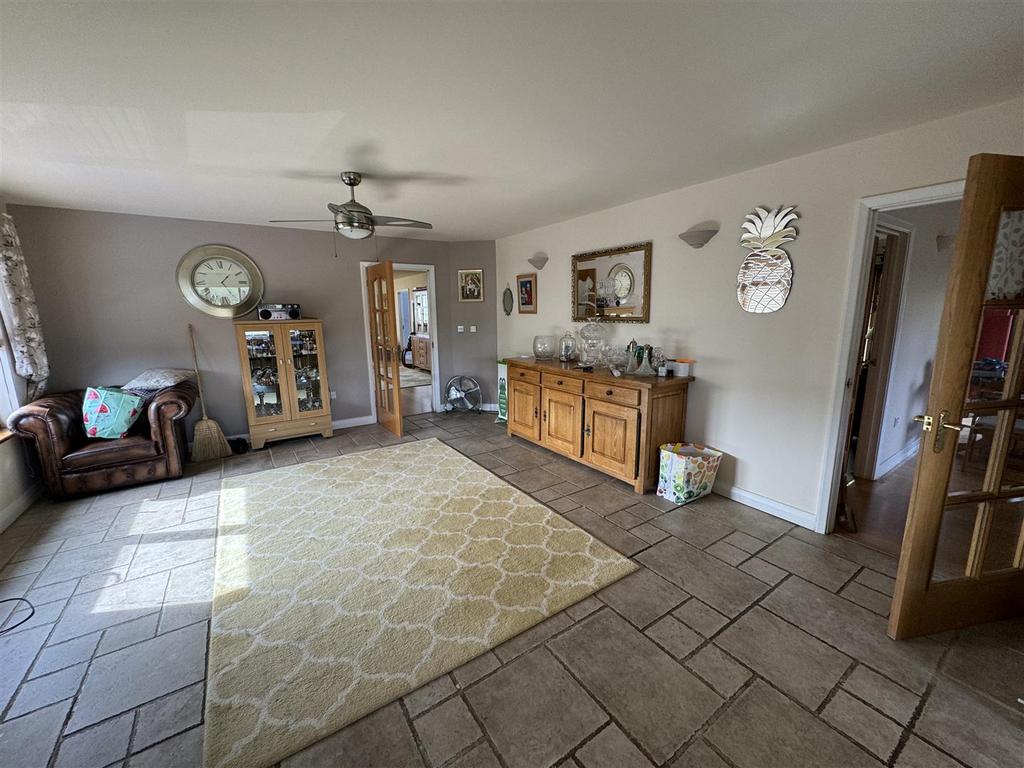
209	442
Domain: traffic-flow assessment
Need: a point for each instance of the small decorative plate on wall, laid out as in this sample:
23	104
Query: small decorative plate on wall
508	300
220	281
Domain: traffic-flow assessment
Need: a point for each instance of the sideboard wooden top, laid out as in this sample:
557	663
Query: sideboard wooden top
602	374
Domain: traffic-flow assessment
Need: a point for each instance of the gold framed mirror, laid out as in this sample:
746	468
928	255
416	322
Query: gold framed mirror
612	285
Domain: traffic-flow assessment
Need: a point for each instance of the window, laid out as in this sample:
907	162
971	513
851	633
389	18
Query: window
8	390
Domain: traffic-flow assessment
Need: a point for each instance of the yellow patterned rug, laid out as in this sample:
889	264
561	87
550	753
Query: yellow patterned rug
345	583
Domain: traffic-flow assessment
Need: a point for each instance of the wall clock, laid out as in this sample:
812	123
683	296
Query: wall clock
220	281
622	280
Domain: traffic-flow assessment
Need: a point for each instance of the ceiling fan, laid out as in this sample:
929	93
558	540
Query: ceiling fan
354	220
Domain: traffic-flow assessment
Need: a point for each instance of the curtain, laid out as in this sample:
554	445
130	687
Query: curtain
20	313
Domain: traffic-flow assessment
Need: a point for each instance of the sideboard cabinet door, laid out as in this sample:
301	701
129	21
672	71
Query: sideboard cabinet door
524	410
610	440
562	422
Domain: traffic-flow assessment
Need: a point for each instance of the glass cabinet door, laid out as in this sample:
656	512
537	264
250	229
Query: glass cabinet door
307	367
264	367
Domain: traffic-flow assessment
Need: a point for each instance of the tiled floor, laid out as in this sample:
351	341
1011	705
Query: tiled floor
742	641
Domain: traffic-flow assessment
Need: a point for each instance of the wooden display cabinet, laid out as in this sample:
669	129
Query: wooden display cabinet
613	424
284	379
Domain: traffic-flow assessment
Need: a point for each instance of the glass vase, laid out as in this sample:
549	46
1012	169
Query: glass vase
544	347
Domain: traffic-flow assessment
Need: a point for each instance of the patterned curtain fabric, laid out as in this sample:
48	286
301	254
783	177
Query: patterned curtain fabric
19	311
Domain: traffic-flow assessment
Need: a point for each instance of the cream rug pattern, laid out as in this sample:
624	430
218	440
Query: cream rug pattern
345	583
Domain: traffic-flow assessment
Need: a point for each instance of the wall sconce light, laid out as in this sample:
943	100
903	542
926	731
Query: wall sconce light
699	235
538	260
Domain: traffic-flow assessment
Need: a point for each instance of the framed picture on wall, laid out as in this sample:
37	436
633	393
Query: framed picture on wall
527	290
471	285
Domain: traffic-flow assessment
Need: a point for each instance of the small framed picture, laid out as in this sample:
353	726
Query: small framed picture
527	285
471	285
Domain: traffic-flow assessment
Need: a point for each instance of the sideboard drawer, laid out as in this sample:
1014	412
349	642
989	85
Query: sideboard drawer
612	393
564	383
523	374
298	426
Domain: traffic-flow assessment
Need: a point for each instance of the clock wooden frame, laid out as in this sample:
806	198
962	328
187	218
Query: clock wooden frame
201	253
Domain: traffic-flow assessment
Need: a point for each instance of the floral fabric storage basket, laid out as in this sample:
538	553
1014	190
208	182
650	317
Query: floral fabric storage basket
687	471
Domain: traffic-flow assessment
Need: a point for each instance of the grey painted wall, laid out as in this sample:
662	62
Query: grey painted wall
110	304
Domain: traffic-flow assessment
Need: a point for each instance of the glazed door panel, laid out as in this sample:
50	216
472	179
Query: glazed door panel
610	438
264	372
562	422
307	369
385	352
524	410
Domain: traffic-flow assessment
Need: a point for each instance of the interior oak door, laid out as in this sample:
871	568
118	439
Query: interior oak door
962	560
384	350
611	438
562	422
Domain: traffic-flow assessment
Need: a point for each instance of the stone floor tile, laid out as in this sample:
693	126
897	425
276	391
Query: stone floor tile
877	581
79	562
970	727
17	651
894	700
190	542
653	697
611	749
641	597
763	571
25	618
603	500
727	552
719	670
609	533
583	608
91	611
446	730
174	713
797	663
146	517
51	592
140	673
426	696
536	635
189	596
873	731
764	729
741	517
674	636
744	541
129	633
719	585
480	756
29	741
867	598
809	562
520	458
544	495
534	711
577	474
31	550
855	631
646	512
624	519
692	526
183	751
850	550
380	739
981	660
97	746
49	689
55	657
532	479
919	754
658	503
699	755
67	526
473	670
649	533
563	504
700	617
24	567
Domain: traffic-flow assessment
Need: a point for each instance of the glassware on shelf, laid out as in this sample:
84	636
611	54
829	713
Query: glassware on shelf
567	347
594	337
544	347
645	369
614	356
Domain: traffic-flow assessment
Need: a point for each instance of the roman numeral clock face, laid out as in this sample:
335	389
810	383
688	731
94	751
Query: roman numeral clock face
220	280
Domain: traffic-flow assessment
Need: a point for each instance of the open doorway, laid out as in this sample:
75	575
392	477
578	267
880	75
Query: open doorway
413	302
910	254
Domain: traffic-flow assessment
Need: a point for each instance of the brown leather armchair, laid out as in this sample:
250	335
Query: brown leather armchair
155	447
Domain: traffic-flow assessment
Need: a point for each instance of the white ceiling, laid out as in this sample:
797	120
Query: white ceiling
517	114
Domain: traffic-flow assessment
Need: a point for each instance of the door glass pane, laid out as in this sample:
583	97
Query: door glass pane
955	533
307	369
263	374
989	381
1006	276
1013	469
1003	537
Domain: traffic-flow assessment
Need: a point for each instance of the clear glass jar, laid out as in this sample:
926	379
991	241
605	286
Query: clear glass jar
593	335
567	347
544	347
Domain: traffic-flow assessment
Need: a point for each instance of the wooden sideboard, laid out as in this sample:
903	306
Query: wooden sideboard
421	352
613	424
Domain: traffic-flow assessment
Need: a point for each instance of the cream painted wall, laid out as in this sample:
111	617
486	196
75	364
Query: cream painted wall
924	288
766	384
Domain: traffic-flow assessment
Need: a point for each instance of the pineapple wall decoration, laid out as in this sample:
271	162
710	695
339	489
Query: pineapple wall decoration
766	274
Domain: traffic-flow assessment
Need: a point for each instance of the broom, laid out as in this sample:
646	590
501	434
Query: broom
208	442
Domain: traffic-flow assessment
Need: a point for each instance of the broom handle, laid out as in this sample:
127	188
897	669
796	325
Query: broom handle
195	364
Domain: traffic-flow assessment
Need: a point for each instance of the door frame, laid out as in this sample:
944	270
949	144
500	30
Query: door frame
865	218
435	371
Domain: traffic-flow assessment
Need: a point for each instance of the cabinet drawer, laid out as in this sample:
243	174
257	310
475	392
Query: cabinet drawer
523	374
564	383
293	427
613	393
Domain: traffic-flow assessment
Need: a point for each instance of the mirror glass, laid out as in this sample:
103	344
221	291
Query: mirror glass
613	285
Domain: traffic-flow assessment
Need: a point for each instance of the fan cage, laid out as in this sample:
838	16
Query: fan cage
462	393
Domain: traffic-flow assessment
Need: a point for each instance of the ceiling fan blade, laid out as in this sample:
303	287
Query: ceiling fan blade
298	221
395	221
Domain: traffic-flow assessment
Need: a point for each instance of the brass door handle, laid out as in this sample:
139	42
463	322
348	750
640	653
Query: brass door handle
928	423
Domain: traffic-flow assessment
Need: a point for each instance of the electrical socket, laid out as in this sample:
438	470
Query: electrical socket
334	395
472	329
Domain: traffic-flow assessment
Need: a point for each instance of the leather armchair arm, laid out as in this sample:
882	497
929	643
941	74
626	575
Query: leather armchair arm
55	423
169	405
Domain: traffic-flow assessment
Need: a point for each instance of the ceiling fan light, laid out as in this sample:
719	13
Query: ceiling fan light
352	227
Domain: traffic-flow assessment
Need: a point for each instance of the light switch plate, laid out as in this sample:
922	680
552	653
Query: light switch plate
472	329
460	329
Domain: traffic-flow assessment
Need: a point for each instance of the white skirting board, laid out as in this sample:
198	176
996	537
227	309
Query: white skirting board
887	466
772	507
13	510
